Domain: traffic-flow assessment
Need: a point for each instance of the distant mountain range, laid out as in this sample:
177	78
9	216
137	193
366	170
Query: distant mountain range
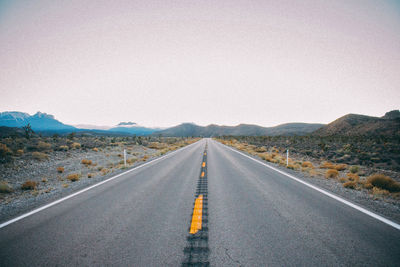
348	125
190	129
39	121
42	122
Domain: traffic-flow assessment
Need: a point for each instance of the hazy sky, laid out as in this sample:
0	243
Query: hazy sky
160	63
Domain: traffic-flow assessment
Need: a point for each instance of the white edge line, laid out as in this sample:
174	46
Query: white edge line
348	203
87	188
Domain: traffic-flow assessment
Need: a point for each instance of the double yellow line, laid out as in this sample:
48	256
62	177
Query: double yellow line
197	215
196	224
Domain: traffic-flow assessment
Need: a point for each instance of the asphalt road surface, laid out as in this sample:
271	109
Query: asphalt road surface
252	216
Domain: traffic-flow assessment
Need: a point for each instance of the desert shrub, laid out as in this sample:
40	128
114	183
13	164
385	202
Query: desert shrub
145	157
5	187
331	173
384	182
4	151
29	185
327	165
260	149
342	180
379	191
290	166
95	149
90	175
353	177
43	146
75	145
368	185
39	155
350	184
60	169
65	185
73	177
307	164
354	169
104	171
63	148
86	162
131	160
20	152
44	180
340	167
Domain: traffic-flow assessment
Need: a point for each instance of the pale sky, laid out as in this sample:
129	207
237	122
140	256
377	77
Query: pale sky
161	63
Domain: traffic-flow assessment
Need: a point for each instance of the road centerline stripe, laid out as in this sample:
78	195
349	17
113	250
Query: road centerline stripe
196	251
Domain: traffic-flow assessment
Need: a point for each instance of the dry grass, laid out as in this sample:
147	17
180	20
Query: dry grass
327	165
75	145
353	177
342	180
367	185
145	157
350	184
63	148
354	169
384	182
86	162
65	185
380	192
131	160
44	180
29	185
73	177
95	149
5	188
4	150
341	167
307	164
60	169
40	156
104	171
260	149
90	175
291	166
43	146
331	173
20	152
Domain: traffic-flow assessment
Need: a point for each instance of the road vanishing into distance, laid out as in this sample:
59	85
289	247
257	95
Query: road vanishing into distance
204	204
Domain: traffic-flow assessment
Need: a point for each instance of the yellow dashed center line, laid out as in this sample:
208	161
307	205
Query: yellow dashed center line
197	215
204	164
202	174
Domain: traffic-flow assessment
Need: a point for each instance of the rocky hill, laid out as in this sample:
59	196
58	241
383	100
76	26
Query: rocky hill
359	125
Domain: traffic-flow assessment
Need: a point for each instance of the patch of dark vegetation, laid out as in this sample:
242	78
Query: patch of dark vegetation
381	152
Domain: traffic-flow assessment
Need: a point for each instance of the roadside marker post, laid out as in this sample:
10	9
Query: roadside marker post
287	157
125	157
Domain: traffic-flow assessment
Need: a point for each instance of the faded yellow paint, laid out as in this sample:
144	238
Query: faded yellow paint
203	165
197	215
205	153
202	174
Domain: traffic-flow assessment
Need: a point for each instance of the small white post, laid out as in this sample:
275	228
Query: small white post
125	157
287	157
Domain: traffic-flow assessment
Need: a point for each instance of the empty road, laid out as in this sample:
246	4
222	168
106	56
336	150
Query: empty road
204	204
